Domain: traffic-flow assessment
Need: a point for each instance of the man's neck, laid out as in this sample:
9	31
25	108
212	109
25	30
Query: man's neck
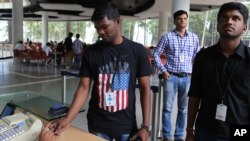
118	40
181	31
228	46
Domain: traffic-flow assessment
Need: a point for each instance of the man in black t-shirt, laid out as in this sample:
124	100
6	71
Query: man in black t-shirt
113	64
219	94
68	42
69	48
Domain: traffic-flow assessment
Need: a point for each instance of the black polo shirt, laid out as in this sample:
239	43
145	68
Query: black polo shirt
215	75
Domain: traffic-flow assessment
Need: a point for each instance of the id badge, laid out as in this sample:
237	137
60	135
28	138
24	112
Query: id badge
221	112
181	58
110	98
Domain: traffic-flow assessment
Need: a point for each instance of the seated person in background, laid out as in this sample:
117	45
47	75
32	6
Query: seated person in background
61	49
19	46
29	45
47	49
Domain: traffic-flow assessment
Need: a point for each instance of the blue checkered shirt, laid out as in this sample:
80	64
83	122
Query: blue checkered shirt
180	52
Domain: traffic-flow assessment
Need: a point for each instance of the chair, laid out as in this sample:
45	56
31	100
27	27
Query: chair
24	57
43	57
16	53
33	56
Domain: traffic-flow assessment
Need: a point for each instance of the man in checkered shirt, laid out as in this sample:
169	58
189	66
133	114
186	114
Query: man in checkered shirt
180	47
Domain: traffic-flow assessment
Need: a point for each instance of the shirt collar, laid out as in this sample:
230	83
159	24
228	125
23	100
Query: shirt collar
240	50
177	32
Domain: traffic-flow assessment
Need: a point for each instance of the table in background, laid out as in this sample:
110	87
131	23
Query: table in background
55	57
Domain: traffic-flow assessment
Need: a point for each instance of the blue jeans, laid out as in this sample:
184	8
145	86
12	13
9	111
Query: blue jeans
77	60
203	135
123	137
180	86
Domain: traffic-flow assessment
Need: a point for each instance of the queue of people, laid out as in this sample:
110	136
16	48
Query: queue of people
216	80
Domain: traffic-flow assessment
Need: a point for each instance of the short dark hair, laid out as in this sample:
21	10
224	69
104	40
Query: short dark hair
70	34
234	6
105	10
179	12
77	35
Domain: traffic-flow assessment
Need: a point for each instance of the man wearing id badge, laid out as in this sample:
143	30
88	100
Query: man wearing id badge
220	85
113	64
180	47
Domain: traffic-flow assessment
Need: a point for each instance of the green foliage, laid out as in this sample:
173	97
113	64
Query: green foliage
197	24
128	26
79	27
152	28
32	30
56	31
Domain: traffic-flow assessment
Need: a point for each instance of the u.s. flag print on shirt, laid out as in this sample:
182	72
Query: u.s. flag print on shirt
116	83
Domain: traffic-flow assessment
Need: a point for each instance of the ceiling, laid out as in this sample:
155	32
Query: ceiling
83	9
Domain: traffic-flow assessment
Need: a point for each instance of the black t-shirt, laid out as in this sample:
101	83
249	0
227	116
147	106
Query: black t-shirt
212	74
69	44
114	68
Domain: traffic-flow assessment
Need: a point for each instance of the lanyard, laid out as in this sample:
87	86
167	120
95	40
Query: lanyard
180	42
223	93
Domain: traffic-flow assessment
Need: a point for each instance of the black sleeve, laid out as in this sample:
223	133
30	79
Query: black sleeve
143	64
196	79
85	68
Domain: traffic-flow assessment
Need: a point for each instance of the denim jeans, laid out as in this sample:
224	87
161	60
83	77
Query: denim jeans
180	86
77	59
203	135
123	137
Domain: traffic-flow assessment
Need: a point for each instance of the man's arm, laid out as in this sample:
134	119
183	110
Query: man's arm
145	99
193	106
195	94
159	50
80	98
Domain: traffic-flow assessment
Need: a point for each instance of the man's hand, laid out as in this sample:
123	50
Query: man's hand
166	75
59	126
46	134
142	134
190	137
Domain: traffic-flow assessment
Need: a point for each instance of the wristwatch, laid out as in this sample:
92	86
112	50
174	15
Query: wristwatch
148	128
